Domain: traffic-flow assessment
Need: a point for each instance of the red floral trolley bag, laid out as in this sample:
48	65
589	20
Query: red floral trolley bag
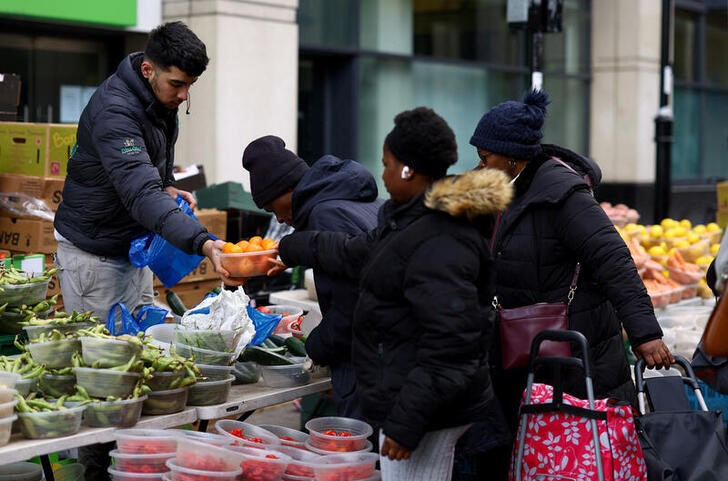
561	437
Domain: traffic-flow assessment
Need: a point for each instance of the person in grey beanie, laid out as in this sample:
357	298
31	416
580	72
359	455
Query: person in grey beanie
331	195
553	223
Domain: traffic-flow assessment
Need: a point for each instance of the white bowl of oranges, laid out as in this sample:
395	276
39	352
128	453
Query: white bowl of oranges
249	258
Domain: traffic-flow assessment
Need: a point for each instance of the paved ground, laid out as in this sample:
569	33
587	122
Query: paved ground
281	414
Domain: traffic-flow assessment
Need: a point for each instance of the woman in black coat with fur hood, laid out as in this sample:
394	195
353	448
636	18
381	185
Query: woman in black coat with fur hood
422	324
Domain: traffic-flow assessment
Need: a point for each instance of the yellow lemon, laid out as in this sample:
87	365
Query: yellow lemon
671	233
666	273
714	249
712	227
693	237
631	227
656	231
656	251
680	231
681	243
699	229
667	223
686	224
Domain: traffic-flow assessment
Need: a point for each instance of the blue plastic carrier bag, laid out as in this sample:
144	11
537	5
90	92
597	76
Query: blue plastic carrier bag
128	324
167	262
264	324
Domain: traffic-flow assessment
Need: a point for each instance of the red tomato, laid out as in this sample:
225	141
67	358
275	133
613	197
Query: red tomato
264	310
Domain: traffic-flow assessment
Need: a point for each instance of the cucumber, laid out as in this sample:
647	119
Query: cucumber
175	303
295	346
277	340
265	357
268	343
246	372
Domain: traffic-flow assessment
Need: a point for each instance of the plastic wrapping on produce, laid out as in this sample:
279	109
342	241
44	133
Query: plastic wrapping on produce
24	205
224	312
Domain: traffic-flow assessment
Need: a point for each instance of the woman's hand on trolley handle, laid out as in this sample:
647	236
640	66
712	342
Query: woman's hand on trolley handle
655	353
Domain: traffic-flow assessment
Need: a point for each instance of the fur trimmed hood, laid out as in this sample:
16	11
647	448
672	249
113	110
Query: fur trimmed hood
472	194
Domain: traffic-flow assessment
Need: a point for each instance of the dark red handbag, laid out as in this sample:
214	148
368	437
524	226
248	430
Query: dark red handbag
518	326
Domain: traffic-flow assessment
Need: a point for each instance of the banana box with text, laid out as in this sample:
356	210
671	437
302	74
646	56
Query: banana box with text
40	150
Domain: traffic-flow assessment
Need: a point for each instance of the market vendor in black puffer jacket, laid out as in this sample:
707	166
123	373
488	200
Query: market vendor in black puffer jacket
553	223
422	323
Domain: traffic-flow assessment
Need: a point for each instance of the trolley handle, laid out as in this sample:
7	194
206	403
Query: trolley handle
560	336
689	378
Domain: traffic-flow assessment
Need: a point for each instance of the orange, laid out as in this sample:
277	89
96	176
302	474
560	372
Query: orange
269	243
256	239
243	244
230	248
254	247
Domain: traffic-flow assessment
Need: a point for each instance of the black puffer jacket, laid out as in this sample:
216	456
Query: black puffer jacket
422	324
552	223
121	163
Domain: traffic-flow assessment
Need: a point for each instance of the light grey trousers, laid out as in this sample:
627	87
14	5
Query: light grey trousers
431	461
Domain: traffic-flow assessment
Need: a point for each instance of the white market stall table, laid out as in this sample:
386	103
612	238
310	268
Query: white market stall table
246	398
296	298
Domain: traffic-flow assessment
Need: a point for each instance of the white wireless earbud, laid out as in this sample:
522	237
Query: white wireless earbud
405	173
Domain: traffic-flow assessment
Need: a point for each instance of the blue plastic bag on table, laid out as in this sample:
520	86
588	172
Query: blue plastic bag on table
146	317
167	262
264	324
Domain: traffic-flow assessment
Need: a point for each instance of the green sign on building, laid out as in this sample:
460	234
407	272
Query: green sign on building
119	13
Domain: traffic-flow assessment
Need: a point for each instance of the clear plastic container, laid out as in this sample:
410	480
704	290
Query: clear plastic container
246	372
149	441
6	408
285	376
140	463
695	250
302	461
290	315
6	427
659	299
106	382
355	439
215	373
56	385
51	424
248	264
54	354
108	352
288	436
204	356
684	277
9	379
21	471
165	402
69	472
325	452
208	393
261	464
207	438
346	467
690	291
162	381
197	455
180	473
7	394
10	321
24	294
117	475
34	332
213	340
24	386
123	414
675	295
254	436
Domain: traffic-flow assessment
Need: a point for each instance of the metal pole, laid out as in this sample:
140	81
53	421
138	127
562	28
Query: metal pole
664	120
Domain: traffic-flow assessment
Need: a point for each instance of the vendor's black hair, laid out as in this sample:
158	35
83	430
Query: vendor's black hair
424	141
174	44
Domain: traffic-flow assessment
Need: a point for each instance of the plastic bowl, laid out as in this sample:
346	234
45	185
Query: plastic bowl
207	393
261	464
165	402
359	431
254	436
302	461
213	340
51	424
117	475
24	294
246	372
207	438
288	436
140	463
290	315
24	386
7	394
69	472
6	427
107	352
162	381
345	467
123	414
197	455
325	452
285	376
102	383
56	385
204	356
248	264
162	332
10	321
34	332
215	373
145	441
21	471
180	473
6	408
9	379
54	354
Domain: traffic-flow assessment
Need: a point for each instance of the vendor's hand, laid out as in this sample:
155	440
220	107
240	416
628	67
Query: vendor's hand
393	450
187	196
655	353
276	268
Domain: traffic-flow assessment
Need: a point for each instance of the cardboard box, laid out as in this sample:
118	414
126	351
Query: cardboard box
721	218
721	190
54	285
40	150
47	189
191	293
27	235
